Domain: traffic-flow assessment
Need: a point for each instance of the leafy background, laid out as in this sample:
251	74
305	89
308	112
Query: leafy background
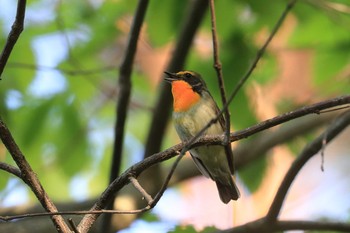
59	90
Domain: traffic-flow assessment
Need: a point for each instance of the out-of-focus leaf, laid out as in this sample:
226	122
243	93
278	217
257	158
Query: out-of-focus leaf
253	173
191	229
327	76
150	217
184	229
4	179
164	19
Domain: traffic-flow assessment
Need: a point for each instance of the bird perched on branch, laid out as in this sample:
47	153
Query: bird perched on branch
194	108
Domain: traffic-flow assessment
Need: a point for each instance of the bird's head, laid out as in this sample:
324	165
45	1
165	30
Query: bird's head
187	89
187	79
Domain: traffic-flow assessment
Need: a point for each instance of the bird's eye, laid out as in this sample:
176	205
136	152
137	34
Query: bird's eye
188	75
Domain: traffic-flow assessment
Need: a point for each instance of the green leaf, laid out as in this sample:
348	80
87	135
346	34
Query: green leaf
164	19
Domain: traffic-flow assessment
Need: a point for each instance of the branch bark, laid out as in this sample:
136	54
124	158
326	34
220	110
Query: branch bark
30	178
218	68
16	30
261	226
270	222
333	130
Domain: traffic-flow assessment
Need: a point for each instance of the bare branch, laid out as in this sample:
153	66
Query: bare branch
11	169
311	109
310	150
72	224
16	30
71	72
264	141
29	177
144	193
261	51
263	226
250	70
218	68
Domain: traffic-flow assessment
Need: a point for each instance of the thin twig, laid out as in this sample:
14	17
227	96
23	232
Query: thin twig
167	180
144	193
218	68
262	50
260	53
16	30
338	125
71	72
73	226
323	148
11	169
75	212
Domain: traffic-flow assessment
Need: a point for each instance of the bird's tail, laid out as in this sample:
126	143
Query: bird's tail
227	191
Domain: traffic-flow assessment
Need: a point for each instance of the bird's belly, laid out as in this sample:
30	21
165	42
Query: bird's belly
213	157
190	123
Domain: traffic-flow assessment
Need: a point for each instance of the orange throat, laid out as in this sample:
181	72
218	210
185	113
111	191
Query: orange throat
184	96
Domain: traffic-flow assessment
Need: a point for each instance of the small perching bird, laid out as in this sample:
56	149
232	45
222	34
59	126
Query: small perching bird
194	108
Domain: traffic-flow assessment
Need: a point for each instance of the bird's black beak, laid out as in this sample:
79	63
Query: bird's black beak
170	77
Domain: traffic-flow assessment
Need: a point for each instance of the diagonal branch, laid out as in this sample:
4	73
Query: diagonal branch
262	226
16	30
262	50
270	222
333	130
11	169
29	177
260	53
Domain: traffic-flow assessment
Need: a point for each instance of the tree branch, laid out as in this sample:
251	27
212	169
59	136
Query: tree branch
72	72
16	30
29	177
270	222
261	51
11	169
333	130
125	86
262	226
218	68
266	140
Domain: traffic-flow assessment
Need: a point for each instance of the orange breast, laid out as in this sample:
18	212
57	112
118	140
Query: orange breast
184	96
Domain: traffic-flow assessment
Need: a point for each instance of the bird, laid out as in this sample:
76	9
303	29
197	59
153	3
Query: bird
193	108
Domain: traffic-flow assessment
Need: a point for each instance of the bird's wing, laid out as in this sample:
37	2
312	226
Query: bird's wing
228	149
201	166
